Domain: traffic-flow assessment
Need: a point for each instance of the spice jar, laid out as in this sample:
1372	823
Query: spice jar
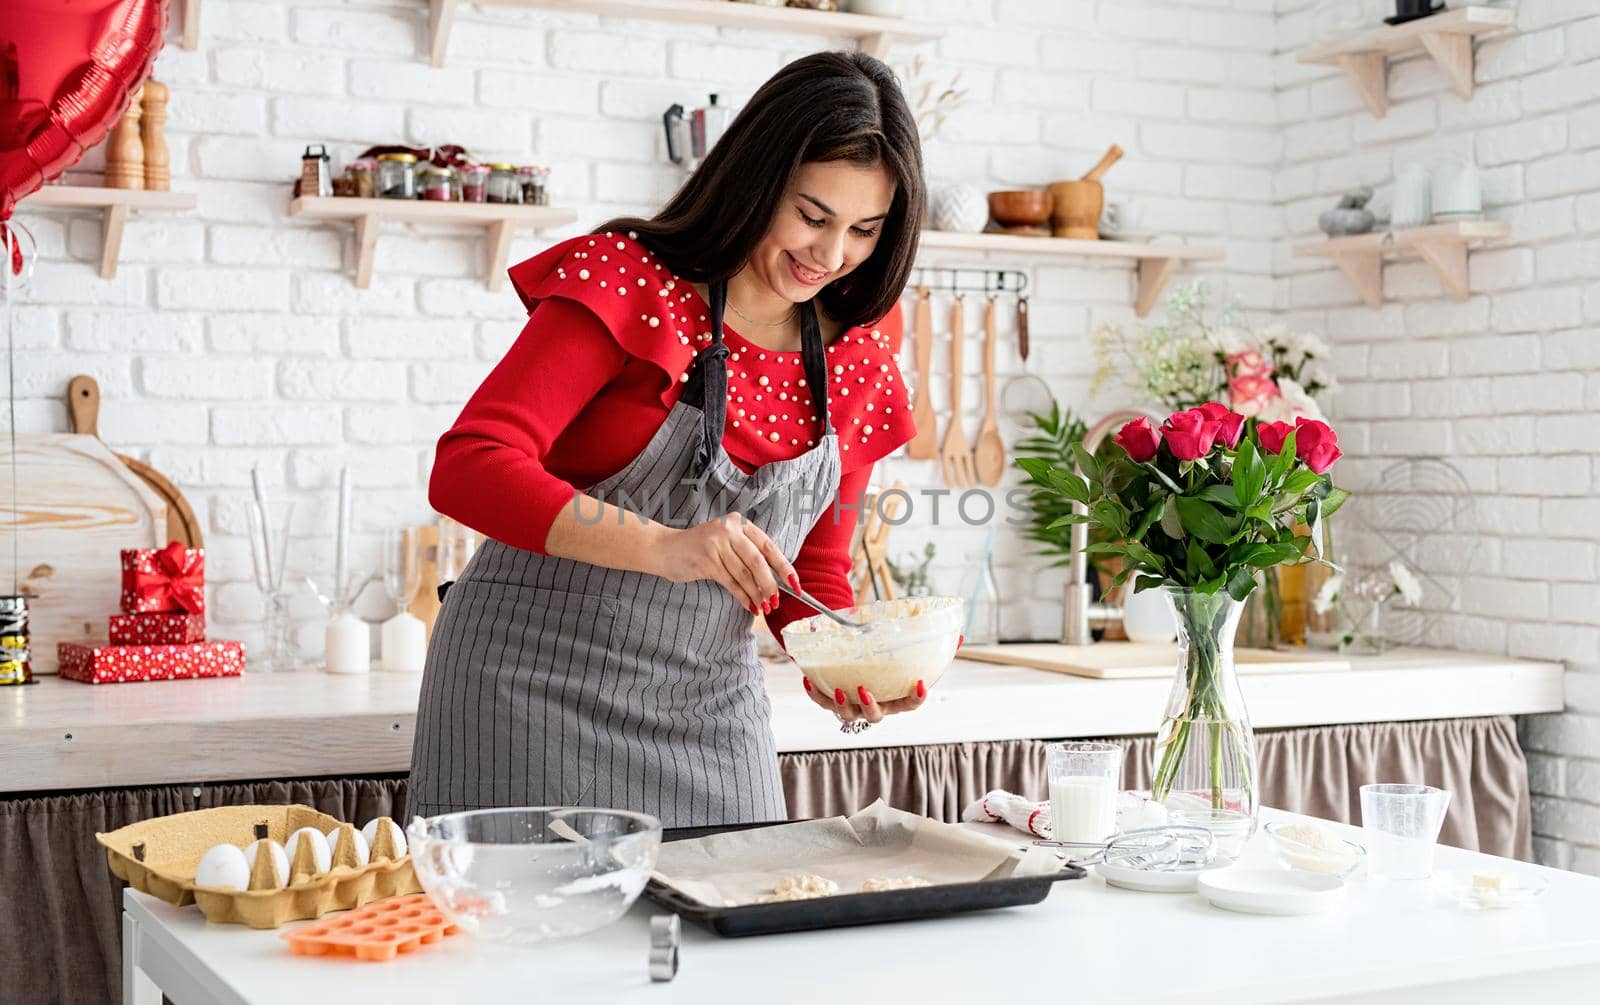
474	182
396	176
503	185
14	641
437	185
531	179
365	174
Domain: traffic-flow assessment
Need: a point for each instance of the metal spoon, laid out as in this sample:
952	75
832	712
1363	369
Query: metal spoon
824	609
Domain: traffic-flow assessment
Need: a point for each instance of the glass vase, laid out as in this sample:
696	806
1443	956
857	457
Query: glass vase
1205	769
1261	624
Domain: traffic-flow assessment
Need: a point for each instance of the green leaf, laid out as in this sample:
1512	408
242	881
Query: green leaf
1171	523
1298	483
1148	518
1249	474
1037	468
1336	498
1106	548
1110	515
1066	521
1240	582
1162	475
1205	521
1145	557
1282	462
1071	486
1199	562
1148	583
1086	462
1223	495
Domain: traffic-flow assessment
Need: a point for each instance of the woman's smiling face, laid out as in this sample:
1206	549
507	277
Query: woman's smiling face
828	222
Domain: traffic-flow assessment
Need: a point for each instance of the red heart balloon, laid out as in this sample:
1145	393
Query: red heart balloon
67	71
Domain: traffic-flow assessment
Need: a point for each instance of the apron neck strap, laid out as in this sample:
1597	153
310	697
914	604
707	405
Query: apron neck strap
707	388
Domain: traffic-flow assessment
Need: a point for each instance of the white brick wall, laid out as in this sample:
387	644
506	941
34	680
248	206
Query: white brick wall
1501	385
233	335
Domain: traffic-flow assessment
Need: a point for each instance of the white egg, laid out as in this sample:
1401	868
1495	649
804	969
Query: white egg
370	832
223	866
319	847
363	852
280	858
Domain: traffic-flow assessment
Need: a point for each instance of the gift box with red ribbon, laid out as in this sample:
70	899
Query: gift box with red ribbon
164	579
162	628
122	664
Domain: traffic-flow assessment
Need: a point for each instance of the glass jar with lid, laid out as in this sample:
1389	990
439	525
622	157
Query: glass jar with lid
397	176
438	184
503	186
474	182
532	179
365	174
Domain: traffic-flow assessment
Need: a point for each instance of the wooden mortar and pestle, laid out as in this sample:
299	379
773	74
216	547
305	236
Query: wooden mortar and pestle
1076	205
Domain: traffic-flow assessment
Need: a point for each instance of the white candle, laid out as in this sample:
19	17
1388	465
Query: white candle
348	645
405	644
341	545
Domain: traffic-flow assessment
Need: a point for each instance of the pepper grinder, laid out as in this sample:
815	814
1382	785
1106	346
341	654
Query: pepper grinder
124	150
153	132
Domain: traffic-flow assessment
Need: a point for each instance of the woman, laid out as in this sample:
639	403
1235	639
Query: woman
588	655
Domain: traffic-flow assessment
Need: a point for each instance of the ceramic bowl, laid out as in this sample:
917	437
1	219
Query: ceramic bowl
1023	208
912	639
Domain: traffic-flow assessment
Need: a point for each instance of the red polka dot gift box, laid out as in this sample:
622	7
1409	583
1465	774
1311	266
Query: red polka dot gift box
164	579
162	628
129	664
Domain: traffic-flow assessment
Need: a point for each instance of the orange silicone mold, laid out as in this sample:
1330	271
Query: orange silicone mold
379	931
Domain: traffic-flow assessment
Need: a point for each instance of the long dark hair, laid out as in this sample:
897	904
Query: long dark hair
828	106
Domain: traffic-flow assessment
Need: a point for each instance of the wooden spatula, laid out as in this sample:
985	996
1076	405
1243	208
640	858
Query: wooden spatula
924	446
989	456
956	455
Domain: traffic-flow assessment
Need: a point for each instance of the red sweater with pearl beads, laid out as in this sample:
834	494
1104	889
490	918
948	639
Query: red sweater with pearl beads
603	358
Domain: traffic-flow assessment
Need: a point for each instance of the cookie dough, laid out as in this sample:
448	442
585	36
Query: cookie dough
801	886
879	884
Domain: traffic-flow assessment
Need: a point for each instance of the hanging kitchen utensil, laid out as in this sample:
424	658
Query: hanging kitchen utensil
1025	393
924	444
955	455
83	410
869	566
989	455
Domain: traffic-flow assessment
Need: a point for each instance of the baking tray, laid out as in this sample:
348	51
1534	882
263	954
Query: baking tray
847	909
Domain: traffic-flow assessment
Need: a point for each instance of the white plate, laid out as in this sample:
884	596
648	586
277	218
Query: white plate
1270	891
1148	880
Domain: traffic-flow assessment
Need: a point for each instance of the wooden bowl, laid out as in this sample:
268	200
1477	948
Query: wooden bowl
1022	208
1076	211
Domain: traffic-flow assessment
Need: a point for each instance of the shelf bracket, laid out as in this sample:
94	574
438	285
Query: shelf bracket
1368	72
876	45
1153	276
1449	260
1453	53
498	240
366	248
441	18
1365	272
111	224
190	38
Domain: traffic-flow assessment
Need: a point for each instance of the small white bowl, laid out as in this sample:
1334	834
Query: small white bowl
1341	861
911	639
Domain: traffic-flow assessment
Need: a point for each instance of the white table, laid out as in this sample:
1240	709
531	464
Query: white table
1387	943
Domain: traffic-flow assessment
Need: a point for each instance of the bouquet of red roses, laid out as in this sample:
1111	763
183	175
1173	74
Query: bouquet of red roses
1206	499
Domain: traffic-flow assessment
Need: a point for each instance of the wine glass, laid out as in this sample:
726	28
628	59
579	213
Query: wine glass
402	566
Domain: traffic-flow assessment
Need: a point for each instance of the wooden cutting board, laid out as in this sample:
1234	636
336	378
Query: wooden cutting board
1127	660
83	405
77	507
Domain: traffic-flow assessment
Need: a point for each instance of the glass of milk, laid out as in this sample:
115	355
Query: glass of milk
1402	825
1085	777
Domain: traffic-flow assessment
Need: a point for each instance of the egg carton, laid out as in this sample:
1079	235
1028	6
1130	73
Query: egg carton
159	857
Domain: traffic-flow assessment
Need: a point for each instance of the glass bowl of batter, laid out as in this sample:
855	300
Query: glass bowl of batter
906	640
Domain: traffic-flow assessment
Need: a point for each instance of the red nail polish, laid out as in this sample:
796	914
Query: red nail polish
766	606
922	690
838	696
753	609
961	640
775	601
807	681
866	699
794	581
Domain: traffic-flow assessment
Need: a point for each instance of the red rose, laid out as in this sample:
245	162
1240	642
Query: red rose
1189	434
1316	444
1139	439
1229	423
1272	435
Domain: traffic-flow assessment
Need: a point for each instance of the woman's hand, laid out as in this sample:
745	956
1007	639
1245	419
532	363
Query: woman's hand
862	705
732	551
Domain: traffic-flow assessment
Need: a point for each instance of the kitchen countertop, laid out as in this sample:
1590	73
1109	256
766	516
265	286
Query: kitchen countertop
66	735
1388	942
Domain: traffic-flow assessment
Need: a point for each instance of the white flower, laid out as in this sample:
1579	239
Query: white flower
1232	340
1323	602
1296	401
1405	583
1310	345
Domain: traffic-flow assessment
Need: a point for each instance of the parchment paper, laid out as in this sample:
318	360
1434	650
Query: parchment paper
740	867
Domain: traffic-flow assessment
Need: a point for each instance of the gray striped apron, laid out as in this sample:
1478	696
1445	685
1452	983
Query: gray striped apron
551	681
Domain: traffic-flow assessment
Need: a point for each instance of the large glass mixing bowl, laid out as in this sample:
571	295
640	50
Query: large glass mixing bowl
534	873
911	639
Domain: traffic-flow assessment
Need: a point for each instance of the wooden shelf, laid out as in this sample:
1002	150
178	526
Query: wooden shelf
872	34
1441	245
1447	37
115	204
1157	262
498	221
